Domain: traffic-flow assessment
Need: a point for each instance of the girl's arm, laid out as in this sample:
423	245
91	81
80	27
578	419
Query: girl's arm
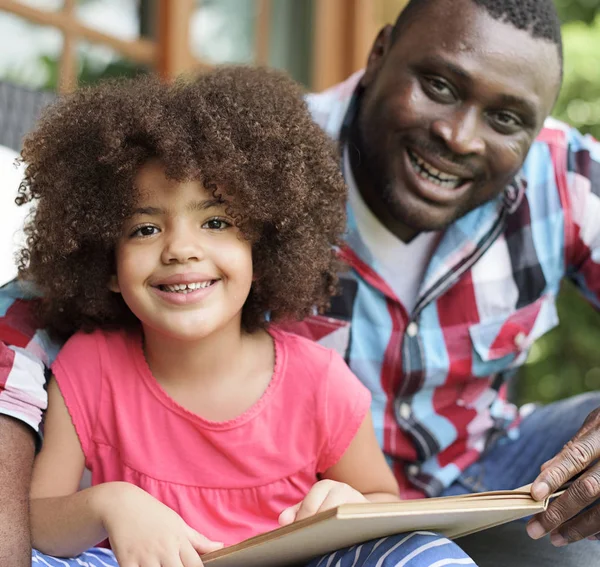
361	475
64	522
364	468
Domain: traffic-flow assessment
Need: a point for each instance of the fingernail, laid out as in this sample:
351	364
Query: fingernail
535	530
540	490
558	541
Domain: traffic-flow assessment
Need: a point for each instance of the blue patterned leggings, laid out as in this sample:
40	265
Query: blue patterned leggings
418	549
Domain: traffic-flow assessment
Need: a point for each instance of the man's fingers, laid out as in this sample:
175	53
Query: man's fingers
575	457
583	492
586	525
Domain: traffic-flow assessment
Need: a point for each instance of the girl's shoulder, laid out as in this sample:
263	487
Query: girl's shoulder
83	348
308	357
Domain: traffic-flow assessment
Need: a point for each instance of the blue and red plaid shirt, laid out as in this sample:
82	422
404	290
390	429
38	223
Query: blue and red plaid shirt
436	374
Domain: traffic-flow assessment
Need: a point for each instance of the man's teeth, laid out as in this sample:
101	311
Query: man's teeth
427	171
186	288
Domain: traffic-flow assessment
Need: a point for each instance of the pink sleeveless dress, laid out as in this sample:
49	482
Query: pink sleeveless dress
228	480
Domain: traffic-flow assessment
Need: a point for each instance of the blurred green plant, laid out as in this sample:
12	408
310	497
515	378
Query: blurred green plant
579	101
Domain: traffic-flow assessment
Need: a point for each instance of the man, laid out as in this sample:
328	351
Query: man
457	248
459	243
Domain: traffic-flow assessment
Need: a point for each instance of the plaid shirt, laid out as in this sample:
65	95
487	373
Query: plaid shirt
489	291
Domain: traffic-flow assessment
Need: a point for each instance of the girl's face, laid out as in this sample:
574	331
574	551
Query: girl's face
183	268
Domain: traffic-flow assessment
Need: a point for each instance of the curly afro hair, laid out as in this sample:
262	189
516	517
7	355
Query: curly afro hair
241	131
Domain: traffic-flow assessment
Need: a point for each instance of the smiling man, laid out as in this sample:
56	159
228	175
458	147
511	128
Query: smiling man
467	207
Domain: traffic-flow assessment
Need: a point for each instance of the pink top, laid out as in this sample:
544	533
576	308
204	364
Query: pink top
228	480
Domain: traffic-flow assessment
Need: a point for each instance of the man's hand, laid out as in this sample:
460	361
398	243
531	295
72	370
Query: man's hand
324	495
143	531
578	456
16	459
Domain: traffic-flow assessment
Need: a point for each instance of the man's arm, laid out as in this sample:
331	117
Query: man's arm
24	354
17	447
565	518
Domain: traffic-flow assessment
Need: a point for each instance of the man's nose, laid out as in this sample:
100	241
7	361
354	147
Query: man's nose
182	244
461	132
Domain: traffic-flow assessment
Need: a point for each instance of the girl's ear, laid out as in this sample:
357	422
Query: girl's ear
113	284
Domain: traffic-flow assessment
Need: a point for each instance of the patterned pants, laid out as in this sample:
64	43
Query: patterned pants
418	549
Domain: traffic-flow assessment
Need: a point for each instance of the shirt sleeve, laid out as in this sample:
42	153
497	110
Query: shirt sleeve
25	354
582	236
344	405
78	373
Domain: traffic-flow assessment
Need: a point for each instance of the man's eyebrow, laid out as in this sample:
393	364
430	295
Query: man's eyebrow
522	103
437	61
192	206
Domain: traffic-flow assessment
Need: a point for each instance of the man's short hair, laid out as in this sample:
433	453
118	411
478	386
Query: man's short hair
538	17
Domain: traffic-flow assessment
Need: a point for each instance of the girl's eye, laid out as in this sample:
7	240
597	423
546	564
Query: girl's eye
147	230
216	224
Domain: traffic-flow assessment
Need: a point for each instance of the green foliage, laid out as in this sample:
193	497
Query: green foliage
566	361
579	101
579	10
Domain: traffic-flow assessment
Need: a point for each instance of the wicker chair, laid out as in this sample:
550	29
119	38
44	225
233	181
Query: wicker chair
19	109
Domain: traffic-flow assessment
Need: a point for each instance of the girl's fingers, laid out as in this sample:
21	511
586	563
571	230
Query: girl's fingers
313	500
288	516
189	556
201	543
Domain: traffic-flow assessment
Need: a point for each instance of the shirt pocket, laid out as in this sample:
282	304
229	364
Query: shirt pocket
503	342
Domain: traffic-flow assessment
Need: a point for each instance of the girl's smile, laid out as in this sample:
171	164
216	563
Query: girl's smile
185	289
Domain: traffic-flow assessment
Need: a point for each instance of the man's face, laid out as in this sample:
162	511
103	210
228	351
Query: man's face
449	112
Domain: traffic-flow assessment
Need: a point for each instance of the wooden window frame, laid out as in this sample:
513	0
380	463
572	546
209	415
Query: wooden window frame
169	54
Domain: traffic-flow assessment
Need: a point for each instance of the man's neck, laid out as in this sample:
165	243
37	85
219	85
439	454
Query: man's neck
369	193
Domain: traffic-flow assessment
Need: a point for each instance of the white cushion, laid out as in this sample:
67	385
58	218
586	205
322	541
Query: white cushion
12	217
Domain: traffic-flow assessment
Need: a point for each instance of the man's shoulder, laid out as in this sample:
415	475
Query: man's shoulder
328	107
556	139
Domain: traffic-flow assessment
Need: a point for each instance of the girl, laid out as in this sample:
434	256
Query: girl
174	225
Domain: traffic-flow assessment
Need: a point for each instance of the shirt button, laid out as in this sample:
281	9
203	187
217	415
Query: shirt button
412	329
412	470
520	339
405	411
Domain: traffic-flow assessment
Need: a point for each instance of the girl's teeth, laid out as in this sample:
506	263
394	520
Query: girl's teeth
185	288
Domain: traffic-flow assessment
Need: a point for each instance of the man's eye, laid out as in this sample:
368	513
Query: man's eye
146	230
216	224
439	88
506	120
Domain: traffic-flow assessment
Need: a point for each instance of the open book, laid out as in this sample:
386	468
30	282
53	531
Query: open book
349	524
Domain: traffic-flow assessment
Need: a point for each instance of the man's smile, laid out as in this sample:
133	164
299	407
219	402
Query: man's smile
428	171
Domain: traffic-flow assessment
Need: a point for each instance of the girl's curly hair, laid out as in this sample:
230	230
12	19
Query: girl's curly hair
243	131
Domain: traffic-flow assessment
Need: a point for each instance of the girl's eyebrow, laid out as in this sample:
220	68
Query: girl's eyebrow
192	206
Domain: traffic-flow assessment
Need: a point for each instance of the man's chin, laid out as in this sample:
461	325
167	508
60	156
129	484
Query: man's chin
419	216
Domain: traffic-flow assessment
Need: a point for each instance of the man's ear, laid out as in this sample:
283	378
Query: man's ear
113	284
379	50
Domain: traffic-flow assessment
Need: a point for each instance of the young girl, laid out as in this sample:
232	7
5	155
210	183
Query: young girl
173	226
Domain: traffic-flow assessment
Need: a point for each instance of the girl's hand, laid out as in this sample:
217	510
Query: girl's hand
324	495
143	532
